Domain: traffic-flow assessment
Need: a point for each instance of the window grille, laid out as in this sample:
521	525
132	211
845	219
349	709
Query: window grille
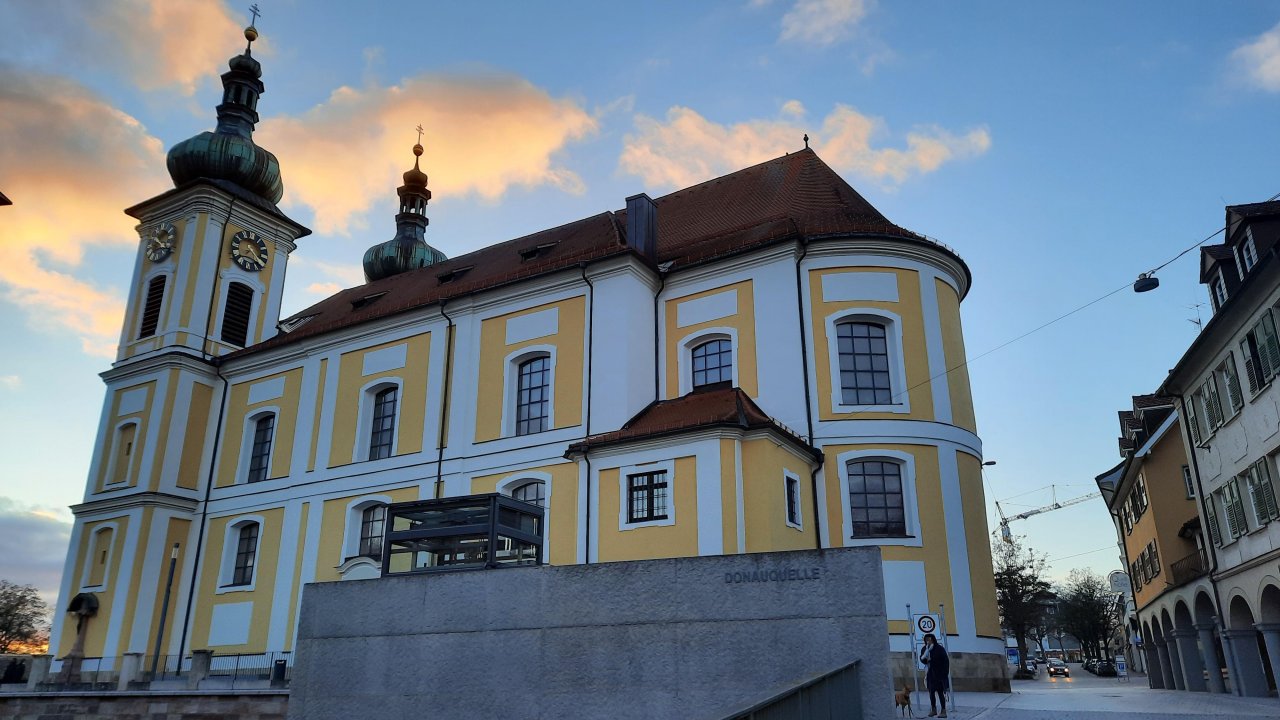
235	314
864	364
533	395
260	455
383	429
246	554
875	498
534	493
372	521
151	310
647	496
713	363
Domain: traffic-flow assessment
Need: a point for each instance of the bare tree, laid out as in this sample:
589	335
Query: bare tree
22	615
1086	611
1022	592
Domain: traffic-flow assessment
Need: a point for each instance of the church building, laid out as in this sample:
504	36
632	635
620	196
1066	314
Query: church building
759	362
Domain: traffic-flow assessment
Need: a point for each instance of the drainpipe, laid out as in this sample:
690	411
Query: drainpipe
586	453
444	399
808	398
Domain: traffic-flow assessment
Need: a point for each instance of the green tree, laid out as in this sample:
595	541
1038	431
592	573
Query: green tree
22	615
1022	592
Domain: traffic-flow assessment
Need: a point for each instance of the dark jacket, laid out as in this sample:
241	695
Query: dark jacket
939	667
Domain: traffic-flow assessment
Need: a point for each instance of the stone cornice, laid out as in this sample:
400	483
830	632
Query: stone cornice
148	498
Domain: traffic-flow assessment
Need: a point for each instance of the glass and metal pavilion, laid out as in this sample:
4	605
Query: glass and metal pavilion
472	532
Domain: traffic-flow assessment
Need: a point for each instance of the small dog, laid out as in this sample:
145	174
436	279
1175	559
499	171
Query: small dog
902	700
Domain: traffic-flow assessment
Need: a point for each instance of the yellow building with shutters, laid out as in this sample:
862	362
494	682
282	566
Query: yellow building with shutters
760	362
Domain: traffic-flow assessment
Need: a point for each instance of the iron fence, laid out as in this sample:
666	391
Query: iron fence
1189	568
157	668
275	668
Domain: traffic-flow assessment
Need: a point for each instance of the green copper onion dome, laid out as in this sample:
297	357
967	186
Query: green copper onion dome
229	153
408	250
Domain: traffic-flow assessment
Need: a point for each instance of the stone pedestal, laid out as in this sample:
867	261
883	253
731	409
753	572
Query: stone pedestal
39	670
130	666
200	661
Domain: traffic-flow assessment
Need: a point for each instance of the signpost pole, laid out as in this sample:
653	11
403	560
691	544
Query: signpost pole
915	657
942	623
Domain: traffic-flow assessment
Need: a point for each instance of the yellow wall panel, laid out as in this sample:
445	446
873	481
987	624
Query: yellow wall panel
236	435
96	632
915	354
962	413
268	560
109	444
729	496
166	424
198	407
763	465
562	518
743	322
176	532
319	413
186	318
568	341
135	596
978	537
648	543
411	407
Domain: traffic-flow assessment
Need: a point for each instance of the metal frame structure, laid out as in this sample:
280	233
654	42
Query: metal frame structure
471	532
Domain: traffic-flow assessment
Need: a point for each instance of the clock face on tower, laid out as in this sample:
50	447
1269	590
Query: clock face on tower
248	250
161	242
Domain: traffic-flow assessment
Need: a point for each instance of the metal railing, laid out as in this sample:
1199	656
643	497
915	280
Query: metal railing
838	694
243	671
1188	568
274	668
95	673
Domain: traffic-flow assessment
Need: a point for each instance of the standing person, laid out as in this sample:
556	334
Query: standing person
937	676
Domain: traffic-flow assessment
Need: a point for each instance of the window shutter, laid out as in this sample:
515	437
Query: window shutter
235	314
1155	559
1268	490
1268	347
1213	401
1255	495
1237	508
1193	423
1250	367
1228	509
151	310
1233	383
1215	534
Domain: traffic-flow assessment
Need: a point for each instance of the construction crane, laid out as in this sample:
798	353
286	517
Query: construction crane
1007	536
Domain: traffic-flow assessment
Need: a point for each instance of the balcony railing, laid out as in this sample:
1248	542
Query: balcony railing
1189	568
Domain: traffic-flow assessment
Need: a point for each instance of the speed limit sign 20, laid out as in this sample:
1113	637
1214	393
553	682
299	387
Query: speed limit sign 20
923	625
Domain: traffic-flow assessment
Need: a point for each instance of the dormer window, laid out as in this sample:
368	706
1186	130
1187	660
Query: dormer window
451	275
1219	291
1248	251
288	326
366	300
536	251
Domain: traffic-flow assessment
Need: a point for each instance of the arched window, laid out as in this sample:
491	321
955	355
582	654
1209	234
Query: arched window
373	521
712	363
235	314
151	309
864	363
383	429
876	498
533	395
260	452
533	492
122	457
99	556
246	554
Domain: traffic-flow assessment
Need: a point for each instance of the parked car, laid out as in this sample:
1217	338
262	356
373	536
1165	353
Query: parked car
1089	664
1105	668
1058	668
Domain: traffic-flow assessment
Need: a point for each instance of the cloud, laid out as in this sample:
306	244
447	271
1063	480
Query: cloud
79	162
485	133
794	108
687	148
822	22
10	382
157	44
1260	60
36	541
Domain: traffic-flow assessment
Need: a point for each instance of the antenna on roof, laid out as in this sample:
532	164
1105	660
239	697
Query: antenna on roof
806	141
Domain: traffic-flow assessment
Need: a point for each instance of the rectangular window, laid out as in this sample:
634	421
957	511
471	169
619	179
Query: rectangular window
1229	380
1233	508
1261	492
246	552
864	364
1208	404
383	431
647	496
263	429
875	498
235	314
1249	252
1193	421
372	521
1188	481
1261	351
1140	496
1219	292
1211	517
793	501
124	453
151	310
533	396
1154	553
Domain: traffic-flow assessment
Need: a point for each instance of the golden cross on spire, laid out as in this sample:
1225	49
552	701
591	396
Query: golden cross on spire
419	129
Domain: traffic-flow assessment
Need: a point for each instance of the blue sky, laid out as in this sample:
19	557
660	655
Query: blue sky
1061	149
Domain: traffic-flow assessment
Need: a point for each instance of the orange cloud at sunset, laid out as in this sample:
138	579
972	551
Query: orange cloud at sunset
688	148
79	163
483	135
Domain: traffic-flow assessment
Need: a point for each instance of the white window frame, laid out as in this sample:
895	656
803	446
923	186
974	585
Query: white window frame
897	360
246	443
789	477
355	517
1218	289
114	457
685	352
90	549
1248	252
624	497
225	278
364	425
511	385
230	543
911	506
1188	481
506	485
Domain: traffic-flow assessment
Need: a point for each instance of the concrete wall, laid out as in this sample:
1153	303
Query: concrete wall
690	638
151	705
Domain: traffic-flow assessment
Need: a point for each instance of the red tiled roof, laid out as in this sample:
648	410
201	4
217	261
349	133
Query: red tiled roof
726	407
1142	402
794	197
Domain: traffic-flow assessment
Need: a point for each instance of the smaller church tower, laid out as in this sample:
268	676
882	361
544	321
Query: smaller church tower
408	250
